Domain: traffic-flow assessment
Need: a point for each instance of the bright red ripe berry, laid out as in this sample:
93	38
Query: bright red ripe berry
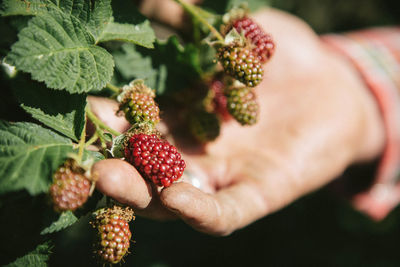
70	188
155	159
264	46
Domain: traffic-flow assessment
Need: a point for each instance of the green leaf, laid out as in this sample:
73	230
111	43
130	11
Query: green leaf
66	219
56	49
140	34
99	18
96	18
59	45
21	7
92	16
59	110
29	154
167	68
37	257
131	64
92	155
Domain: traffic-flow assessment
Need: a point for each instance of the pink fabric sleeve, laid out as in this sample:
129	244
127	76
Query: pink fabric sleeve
375	53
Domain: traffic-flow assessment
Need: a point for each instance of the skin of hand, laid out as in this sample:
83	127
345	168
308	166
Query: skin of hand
316	118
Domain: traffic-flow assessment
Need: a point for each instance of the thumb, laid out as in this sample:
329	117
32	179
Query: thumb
121	181
218	214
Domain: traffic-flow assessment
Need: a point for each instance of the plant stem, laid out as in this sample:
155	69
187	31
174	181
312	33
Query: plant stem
82	144
102	141
96	121
92	140
192	11
113	88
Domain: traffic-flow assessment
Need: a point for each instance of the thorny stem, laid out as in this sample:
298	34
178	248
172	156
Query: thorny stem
192	11
96	121
82	144
113	88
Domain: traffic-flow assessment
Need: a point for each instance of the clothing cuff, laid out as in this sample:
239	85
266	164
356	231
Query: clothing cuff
375	53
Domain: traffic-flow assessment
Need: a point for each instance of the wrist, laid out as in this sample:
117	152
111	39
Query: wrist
372	137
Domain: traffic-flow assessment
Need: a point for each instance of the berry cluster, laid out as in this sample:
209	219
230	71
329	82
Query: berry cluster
70	188
155	159
242	105
245	48
113	233
263	44
241	64
137	103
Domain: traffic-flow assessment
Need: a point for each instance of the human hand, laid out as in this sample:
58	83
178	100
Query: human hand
316	118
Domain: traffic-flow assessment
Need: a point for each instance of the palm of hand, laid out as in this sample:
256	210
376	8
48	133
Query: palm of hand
311	120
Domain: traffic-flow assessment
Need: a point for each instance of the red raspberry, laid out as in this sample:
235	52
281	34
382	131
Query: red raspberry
264	45
155	159
70	188
113	233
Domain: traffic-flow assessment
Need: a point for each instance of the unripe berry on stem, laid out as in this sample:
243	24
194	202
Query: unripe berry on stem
137	103
113	233
70	188
240	63
242	105
263	44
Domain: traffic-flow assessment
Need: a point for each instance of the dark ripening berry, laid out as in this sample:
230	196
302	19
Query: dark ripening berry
155	159
242	105
219	100
113	234
204	126
140	107
241	64
264	46
70	188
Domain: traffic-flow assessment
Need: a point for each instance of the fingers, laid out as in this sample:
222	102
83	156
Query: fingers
106	109
167	12
218	214
120	181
